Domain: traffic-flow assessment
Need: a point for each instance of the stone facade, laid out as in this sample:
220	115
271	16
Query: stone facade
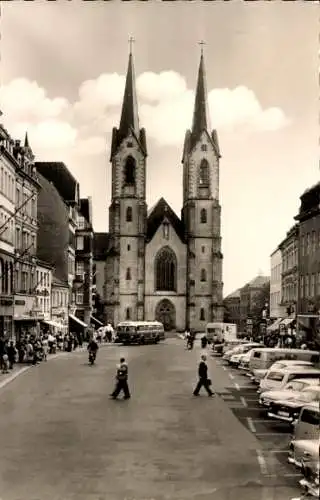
276	309
159	266
289	273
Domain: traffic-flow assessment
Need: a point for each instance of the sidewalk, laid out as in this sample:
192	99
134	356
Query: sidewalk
19	369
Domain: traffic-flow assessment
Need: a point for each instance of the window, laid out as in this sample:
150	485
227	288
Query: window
128	274
202	315
130	170
276	376
203	147
79	298
203	216
81	222
204	173
128	313
129	144
80	242
203	275
80	268
166	270
128	248
129	214
203	249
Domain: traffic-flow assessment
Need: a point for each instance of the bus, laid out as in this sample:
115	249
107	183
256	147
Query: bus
139	332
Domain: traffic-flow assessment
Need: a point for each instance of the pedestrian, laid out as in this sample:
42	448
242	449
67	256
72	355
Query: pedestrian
203	381
12	352
121	380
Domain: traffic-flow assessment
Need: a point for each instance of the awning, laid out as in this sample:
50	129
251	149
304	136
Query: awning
309	316
274	326
77	320
287	321
95	320
25	318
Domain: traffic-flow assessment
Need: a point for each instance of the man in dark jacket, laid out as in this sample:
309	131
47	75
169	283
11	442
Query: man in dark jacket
203	377
121	380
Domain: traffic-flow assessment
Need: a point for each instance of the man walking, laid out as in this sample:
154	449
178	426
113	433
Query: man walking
203	377
121	380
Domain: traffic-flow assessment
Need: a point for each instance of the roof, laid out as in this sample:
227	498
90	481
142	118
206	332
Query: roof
64	182
160	211
234	295
129	121
200	116
42	263
258	281
101	242
57	282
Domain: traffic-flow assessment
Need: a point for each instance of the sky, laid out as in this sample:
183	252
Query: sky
62	77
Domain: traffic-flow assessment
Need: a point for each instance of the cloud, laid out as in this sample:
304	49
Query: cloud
165	109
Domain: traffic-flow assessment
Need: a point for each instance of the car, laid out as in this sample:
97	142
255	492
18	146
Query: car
292	388
305	442
244	363
278	379
259	374
310	469
288	409
242	349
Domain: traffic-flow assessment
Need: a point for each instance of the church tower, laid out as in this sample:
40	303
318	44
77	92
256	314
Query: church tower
125	266
201	215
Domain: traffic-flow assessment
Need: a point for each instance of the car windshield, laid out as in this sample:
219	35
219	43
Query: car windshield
277	376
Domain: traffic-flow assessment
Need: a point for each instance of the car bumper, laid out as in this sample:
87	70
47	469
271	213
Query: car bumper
283	418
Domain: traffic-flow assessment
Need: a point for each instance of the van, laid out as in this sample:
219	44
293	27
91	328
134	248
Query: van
277	379
219	332
305	439
258	375
262	359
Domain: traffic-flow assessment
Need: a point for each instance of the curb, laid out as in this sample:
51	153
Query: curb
7	380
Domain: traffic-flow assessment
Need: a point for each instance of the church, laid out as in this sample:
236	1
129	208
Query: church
159	266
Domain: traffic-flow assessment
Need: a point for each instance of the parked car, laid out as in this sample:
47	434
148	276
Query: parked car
305	441
310	468
288	409
292	389
244	363
263	359
278	379
259	374
242	349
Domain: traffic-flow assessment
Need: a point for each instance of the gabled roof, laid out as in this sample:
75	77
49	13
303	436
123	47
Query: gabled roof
101	242
64	182
258	281
159	212
58	282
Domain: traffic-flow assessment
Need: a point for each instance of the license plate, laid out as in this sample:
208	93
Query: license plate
283	413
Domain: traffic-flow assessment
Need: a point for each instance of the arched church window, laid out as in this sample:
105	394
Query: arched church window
129	214
130	170
203	275
128	274
204	173
202	314
128	313
166	270
203	216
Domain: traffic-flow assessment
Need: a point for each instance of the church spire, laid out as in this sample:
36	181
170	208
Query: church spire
26	141
129	114
200	113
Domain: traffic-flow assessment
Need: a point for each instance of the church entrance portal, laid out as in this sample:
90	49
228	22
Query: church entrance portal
166	314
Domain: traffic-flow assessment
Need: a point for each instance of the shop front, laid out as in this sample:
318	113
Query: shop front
26	321
6	311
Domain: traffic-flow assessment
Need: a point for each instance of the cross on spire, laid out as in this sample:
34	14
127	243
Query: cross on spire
131	42
202	43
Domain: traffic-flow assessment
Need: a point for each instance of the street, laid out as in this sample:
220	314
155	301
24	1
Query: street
62	438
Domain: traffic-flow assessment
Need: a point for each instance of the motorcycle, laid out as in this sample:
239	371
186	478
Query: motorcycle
92	357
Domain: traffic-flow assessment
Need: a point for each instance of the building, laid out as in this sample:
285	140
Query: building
43	291
100	245
60	293
160	266
276	308
84	262
58	212
289	274
232	308
254	299
19	186
309	261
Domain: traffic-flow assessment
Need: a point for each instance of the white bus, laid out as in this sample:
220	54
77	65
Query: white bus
139	332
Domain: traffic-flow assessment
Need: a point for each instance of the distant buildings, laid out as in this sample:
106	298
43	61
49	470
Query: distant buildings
232	308
289	272
43	291
276	309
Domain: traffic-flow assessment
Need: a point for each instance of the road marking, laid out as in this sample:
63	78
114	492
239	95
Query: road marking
243	401
231	376
251	425
237	387
262	463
